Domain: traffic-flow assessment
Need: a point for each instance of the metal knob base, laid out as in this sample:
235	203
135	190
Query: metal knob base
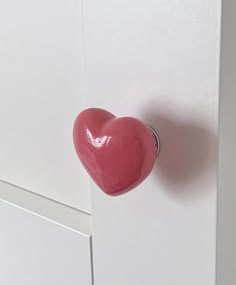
155	138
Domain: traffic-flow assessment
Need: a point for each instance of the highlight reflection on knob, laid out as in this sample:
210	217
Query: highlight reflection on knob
118	153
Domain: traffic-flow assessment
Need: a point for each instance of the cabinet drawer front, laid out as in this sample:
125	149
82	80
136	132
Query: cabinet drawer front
37	251
40	71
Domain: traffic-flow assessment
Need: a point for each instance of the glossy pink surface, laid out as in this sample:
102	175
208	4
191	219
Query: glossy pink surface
118	153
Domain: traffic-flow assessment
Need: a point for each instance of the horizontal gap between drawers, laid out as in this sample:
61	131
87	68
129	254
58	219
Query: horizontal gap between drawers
46	208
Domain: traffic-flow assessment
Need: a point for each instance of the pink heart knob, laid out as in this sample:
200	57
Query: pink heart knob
118	153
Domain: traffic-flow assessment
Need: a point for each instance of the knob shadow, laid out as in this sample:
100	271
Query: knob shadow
188	152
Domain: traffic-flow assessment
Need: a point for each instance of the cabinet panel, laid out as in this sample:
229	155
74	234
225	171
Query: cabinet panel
226	210
40	75
36	251
159	61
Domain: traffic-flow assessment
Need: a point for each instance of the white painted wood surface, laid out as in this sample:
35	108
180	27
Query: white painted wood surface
40	87
158	61
36	251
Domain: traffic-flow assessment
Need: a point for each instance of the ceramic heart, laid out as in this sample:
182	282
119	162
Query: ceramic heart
118	153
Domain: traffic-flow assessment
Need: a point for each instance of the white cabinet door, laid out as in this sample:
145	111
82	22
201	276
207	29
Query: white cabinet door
158	61
40	95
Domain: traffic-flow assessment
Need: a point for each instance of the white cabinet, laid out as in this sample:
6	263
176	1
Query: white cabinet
170	64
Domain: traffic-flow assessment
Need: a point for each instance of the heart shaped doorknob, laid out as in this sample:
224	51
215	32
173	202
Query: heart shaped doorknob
118	153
